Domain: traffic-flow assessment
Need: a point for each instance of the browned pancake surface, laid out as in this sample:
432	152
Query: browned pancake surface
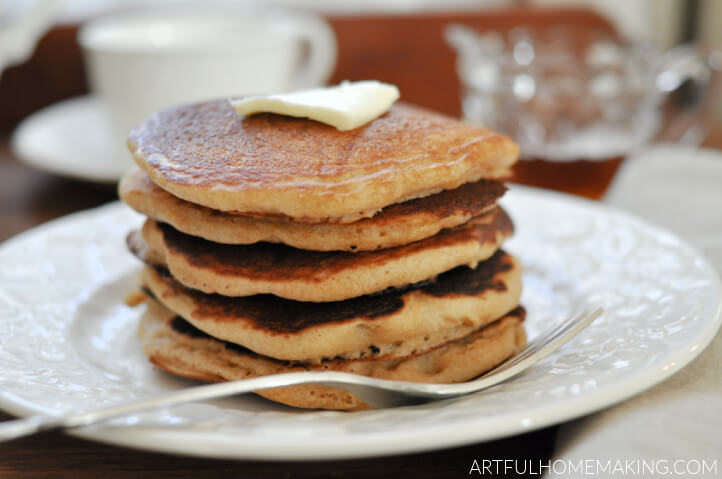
279	262
177	348
209	155
395	323
395	225
471	199
278	315
181	326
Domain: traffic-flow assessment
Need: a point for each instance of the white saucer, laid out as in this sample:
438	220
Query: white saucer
71	138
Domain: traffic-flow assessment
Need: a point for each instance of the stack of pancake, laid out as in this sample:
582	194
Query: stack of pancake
277	244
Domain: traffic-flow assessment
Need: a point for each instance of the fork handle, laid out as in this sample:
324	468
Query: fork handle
16	428
22	427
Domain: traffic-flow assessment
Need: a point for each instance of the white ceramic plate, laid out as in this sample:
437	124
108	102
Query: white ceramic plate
68	343
71	138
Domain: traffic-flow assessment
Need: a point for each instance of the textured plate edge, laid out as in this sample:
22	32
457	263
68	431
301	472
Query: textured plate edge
384	443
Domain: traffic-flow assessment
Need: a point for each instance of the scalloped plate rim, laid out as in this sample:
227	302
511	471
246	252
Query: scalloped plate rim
165	439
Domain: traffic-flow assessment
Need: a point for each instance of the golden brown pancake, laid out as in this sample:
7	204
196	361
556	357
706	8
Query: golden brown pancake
273	164
177	347
388	325
265	268
395	225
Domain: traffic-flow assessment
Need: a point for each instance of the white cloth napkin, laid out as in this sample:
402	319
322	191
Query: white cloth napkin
679	189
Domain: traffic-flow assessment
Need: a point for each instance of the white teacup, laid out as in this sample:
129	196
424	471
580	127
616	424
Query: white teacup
141	61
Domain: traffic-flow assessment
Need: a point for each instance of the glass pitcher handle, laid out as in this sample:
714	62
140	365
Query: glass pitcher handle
681	66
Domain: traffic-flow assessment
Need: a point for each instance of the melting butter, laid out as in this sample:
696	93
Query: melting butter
345	106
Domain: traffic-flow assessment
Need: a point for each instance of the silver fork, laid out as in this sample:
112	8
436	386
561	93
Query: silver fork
379	393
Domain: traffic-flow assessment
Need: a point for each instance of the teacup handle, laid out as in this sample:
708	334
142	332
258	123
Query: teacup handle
319	36
676	67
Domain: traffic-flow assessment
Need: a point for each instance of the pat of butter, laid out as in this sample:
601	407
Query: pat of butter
345	106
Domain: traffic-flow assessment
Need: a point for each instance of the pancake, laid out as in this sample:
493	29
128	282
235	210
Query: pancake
395	225
177	347
273	164
395	323
265	268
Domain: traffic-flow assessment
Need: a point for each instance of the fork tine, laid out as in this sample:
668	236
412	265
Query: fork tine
534	346
541	348
558	329
569	331
543	341
539	342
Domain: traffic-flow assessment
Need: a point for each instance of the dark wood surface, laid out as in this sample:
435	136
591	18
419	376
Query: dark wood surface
411	52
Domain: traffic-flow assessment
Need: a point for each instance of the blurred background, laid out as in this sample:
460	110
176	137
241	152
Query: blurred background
373	37
372	34
579	84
